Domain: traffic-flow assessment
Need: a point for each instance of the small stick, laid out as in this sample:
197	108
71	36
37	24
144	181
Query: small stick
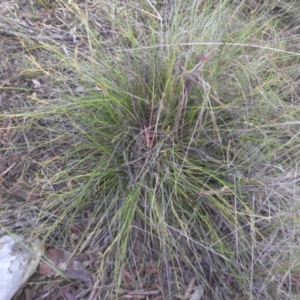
129	172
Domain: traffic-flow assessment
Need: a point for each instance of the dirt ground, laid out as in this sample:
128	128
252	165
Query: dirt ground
31	145
27	73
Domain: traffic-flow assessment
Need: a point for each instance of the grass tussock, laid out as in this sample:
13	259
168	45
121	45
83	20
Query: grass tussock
166	133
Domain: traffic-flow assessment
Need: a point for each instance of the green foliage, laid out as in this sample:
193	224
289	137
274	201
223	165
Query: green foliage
184	145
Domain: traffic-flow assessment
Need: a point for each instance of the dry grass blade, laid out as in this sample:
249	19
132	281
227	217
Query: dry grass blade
156	141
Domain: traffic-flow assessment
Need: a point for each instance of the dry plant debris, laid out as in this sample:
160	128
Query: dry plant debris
153	146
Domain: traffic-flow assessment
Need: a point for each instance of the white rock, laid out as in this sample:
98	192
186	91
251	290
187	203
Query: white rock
18	261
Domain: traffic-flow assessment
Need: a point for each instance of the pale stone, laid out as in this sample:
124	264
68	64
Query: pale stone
18	261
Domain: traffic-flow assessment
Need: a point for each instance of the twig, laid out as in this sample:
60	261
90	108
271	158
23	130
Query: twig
216	192
182	96
38	37
129	172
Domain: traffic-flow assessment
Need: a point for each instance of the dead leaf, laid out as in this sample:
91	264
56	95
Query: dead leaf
62	260
5	83
36	83
189	288
201	57
198	293
126	274
70	296
63	290
25	193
